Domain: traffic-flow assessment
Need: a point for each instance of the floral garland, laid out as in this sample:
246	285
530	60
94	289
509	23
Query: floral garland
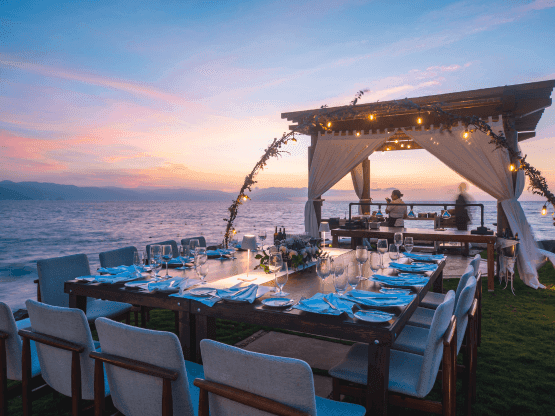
323	117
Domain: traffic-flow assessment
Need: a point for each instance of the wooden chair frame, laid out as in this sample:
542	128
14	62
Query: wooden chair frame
37	384
132	365
75	349
446	407
243	397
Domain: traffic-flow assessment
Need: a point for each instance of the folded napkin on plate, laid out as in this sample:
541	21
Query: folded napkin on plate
421	267
180	260
218	253
316	304
425	257
379	299
243	294
246	294
170	284
401	280
107	279
120	269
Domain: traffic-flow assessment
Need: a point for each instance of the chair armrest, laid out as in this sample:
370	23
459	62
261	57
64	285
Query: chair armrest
51	341
248	399
4	335
451	332
136	366
473	309
36	281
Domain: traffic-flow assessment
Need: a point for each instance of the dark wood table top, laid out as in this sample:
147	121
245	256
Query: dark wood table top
418	233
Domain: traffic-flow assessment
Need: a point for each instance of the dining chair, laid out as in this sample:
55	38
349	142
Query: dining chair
173	243
201	241
475	262
53	273
433	299
63	342
146	371
239	382
411	376
412	339
11	347
120	257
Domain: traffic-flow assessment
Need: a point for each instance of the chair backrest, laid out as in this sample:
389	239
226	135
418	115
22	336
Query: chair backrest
434	348
286	380
173	243
69	324
469	272
201	241
54	272
140	394
475	262
13	342
468	294
120	257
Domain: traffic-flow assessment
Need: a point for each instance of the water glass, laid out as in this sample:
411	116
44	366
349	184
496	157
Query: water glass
393	252
362	257
275	264
375	262
352	278
137	261
398	241
202	272
193	244
382	249
156	259
281	280
262	236
184	254
200	251
339	278
409	244
323	269
145	257
167	255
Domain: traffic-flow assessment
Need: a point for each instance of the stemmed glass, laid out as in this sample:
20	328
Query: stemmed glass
409	244
323	269
339	277
193	244
200	260
202	272
352	278
137	261
156	259
167	255
393	253
184	254
382	249
375	262
262	235
275	263
398	241
361	256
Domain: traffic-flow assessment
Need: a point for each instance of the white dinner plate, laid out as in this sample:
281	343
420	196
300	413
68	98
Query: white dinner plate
373	316
277	302
202	291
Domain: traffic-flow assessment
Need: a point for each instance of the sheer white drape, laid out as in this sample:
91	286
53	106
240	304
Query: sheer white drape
335	156
358	182
486	167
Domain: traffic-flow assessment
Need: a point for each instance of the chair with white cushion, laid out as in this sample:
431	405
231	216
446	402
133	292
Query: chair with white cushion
146	371
119	257
53	273
432	299
411	376
475	262
201	241
412	339
63	341
11	348
239	382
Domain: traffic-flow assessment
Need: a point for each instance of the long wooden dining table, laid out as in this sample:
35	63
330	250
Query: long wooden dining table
196	321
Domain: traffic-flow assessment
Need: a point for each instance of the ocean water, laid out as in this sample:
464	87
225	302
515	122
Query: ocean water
32	230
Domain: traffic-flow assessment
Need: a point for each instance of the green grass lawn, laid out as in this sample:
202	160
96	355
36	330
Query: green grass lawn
516	361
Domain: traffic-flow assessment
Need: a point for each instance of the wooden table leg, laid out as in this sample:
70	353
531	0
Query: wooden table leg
438	284
79	302
206	329
186	324
335	241
491	271
378	378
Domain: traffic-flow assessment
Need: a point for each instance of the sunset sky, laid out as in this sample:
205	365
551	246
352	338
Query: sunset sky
146	93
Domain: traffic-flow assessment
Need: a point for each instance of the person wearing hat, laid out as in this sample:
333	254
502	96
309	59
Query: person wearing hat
396	212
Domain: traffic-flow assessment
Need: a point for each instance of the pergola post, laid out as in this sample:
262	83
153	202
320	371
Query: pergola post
366	186
311	150
512	139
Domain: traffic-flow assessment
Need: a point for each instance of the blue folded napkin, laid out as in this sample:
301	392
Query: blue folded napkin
242	294
422	267
120	269
180	260
170	284
316	304
425	257
401	280
379	299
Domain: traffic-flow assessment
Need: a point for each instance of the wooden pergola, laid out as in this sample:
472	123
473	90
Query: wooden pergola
521	105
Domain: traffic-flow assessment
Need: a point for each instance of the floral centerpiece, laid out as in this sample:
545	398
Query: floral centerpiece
296	251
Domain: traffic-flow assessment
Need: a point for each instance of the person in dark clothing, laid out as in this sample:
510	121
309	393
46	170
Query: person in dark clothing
462	218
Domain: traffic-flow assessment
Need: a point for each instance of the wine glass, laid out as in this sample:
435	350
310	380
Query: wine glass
167	255
202	272
409	244
156	259
200	260
382	249
375	262
352	278
262	235
323	269
361	256
145	258
184	254
393	253
275	263
398	241
137	261
193	244
339	277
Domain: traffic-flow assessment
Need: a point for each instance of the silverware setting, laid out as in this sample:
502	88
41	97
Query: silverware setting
329	303
295	304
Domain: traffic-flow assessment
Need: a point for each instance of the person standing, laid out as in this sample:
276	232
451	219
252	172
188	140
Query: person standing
396	212
462	218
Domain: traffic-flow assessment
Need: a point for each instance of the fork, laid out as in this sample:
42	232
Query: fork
329	303
291	307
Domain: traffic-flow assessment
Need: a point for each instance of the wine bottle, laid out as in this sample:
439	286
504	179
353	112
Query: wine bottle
276	236
284	234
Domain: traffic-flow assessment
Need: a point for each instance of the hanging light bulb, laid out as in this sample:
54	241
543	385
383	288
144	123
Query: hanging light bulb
419	119
544	209
396	141
402	145
358	133
372	117
408	146
512	167
445	214
245	198
411	213
466	134
329	123
379	213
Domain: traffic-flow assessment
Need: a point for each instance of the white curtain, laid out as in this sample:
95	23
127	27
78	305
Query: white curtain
357	175
486	167
335	156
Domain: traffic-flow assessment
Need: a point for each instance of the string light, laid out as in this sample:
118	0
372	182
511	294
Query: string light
544	210
245	198
396	141
402	145
358	133
466	134
329	123
419	120
512	167
371	117
408	146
